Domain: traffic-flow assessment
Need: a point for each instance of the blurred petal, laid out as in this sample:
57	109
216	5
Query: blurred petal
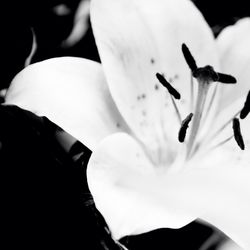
81	24
71	92
138	38
133	198
61	10
233	45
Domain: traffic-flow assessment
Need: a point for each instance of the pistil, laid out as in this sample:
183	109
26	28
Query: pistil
203	88
205	76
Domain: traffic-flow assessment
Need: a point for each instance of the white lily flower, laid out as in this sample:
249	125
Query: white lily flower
140	174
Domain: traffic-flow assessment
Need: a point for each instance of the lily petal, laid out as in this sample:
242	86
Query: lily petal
71	92
113	169
136	39
134	199
236	161
233	45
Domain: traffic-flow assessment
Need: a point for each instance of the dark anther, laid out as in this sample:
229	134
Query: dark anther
206	72
184	126
237	133
246	109
188	57
224	78
172	91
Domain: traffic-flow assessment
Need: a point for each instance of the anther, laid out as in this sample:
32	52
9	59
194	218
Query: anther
224	78
189	58
237	133
246	109
172	91
184	127
207	72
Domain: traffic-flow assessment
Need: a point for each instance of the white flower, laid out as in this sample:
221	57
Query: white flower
140	175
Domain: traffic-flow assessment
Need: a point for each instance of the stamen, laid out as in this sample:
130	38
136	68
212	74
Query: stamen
184	127
176	109
205	76
224	78
188	57
246	109
211	102
222	142
207	71
172	91
218	131
237	133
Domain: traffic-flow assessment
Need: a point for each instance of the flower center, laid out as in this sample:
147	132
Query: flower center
205	77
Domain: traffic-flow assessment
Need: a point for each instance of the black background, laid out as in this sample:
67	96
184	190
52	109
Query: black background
50	29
